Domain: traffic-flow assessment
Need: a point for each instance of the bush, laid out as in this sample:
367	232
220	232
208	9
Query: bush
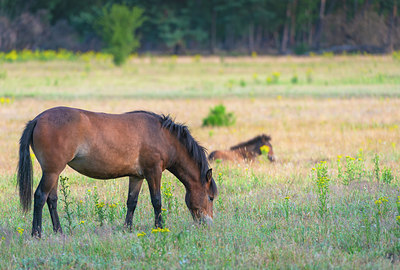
219	117
301	48
117	28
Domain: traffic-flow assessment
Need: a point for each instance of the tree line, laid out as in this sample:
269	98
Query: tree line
199	26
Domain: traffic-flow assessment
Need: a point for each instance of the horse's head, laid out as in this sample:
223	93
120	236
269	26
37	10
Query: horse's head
265	143
200	198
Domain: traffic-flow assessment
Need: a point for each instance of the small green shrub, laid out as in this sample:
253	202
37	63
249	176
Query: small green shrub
219	117
295	79
117	28
322	181
387	176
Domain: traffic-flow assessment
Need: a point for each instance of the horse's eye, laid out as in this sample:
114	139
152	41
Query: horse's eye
210	198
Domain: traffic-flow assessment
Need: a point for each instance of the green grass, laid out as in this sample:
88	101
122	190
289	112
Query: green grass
261	221
180	77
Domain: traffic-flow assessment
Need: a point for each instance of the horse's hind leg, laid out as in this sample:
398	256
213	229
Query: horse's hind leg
46	185
52	204
134	188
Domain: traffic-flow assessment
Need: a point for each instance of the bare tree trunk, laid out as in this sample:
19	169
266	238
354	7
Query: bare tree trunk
293	23
285	33
320	25
310	30
251	37
258	37
213	30
389	47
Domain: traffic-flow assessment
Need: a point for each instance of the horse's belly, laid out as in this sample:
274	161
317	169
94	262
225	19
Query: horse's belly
103	170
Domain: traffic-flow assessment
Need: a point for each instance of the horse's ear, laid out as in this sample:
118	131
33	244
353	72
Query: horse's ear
209	175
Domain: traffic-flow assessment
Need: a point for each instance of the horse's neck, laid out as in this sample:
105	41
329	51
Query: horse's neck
184	168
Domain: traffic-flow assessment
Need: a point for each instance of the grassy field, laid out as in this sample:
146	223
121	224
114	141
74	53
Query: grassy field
339	117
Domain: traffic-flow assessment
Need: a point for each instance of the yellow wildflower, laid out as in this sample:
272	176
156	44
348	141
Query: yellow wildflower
141	234
160	230
82	222
20	230
264	149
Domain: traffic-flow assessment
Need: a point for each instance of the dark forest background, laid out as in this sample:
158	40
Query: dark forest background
208	27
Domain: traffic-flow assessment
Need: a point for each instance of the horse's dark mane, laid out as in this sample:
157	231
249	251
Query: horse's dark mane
182	133
251	142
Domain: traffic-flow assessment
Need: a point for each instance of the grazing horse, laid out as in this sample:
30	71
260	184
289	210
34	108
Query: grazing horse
138	144
246	150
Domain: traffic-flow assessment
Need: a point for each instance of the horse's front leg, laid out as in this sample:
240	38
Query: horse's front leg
134	188
46	185
154	181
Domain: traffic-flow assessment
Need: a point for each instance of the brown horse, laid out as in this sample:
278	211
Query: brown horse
248	150
137	144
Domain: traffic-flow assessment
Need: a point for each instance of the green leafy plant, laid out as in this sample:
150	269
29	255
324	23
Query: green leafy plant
354	169
170	201
387	176
117	28
376	168
398	215
65	192
112	212
295	79
322	181
381	208
219	117
99	207
286	207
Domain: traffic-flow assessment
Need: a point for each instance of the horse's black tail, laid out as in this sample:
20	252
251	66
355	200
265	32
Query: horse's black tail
211	156
25	171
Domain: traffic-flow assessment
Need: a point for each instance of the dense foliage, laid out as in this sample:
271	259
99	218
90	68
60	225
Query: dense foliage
215	26
219	117
117	27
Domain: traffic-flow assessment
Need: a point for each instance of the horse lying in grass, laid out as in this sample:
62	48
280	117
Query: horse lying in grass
138	144
248	150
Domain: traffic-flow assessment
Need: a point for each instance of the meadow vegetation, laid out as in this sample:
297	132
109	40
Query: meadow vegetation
330	200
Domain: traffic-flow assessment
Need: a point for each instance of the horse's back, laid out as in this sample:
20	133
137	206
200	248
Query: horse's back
222	155
99	145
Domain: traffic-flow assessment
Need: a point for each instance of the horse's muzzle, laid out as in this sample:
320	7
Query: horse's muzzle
207	220
201	218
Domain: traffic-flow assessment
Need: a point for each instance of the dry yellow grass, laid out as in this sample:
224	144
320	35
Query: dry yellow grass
303	131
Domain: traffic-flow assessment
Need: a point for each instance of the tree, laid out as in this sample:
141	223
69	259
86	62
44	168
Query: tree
117	28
